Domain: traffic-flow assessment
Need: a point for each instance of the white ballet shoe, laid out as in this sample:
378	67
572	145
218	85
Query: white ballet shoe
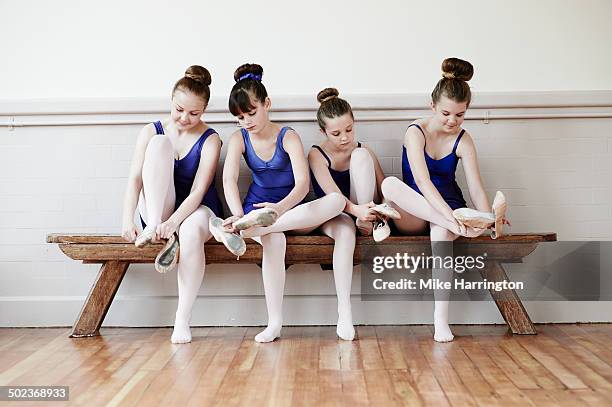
386	210
381	230
233	242
146	236
168	257
257	217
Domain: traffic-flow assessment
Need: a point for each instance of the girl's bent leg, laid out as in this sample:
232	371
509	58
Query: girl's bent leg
342	230
158	195
407	199
193	233
363	183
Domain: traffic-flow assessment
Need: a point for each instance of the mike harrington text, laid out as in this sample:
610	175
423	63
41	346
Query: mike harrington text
436	284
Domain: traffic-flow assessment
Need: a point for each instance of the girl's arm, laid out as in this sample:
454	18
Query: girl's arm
467	152
209	157
293	146
415	145
320	170
134	184
321	173
231	170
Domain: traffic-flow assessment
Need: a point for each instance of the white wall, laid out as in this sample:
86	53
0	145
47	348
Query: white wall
123	48
71	178
89	57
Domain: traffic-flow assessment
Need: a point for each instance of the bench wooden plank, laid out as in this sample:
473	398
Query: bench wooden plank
295	254
315	239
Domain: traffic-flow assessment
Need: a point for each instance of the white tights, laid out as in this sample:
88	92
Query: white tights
416	213
156	205
303	219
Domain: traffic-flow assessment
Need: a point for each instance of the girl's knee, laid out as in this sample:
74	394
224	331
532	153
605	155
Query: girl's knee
389	184
361	154
159	144
439	234
341	228
335	200
345	234
275	240
193	232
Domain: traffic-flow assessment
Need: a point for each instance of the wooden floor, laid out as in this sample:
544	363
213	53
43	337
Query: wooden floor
566	365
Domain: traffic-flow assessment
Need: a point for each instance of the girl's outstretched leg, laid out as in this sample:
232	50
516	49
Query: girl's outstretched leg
304	216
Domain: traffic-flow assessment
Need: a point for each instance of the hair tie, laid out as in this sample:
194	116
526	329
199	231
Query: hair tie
448	75
250	76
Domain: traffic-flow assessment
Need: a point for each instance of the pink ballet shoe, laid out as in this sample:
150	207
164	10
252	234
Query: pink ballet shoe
499	209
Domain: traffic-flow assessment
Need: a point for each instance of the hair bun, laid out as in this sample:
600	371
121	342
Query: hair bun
199	74
327	94
246	69
455	68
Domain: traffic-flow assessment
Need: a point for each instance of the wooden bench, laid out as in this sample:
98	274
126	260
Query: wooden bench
116	255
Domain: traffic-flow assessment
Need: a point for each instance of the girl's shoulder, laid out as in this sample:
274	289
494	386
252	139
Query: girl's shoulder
465	145
236	136
415	132
289	132
418	125
291	137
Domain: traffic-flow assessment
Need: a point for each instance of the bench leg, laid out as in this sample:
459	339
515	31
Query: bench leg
508	302
99	299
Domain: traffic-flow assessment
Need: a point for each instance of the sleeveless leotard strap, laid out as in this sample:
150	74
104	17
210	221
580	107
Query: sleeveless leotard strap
418	127
158	127
205	136
280	137
324	155
457	142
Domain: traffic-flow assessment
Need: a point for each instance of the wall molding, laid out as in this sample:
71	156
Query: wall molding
300	108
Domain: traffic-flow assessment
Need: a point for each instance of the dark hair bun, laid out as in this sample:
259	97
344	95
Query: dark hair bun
457	68
327	94
199	74
248	69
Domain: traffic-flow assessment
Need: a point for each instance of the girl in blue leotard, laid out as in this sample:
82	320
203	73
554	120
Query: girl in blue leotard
429	194
342	164
275	156
172	181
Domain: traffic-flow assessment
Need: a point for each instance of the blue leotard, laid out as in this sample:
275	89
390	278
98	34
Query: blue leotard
184	173
341	178
441	173
273	179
